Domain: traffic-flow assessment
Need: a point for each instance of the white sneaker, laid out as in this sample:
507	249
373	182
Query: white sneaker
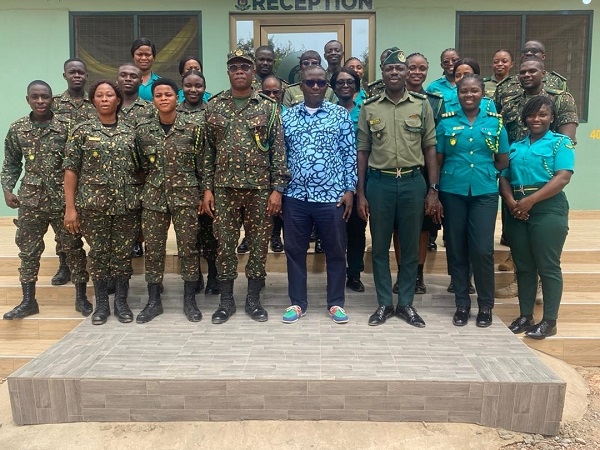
539	298
509	291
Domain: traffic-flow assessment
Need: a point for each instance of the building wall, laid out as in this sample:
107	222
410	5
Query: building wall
35	37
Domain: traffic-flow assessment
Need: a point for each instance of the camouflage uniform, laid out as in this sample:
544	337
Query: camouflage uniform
375	88
64	105
244	160
171	192
512	106
511	86
106	162
41	195
207	244
138	112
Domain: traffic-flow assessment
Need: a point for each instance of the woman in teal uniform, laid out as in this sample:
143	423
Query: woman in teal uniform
540	167
461	68
185	65
446	84
143	52
472	147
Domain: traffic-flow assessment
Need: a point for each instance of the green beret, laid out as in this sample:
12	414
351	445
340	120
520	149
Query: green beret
395	57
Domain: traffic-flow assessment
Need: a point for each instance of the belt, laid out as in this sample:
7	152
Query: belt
527	189
398	172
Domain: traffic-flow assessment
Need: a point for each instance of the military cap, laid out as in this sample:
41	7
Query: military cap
395	57
239	53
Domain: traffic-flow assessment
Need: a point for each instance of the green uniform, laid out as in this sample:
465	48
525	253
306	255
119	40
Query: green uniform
375	88
171	161
511	107
293	95
138	112
490	84
395	136
207	244
537	243
77	112
106	162
41	149
511	86
244	161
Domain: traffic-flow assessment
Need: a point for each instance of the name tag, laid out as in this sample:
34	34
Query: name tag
374	121
94	139
460	127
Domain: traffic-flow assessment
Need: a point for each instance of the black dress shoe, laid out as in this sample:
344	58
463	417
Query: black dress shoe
521	324
409	314
541	330
420	287
396	286
461	316
471	288
355	284
381	314
319	247
451	288
503	241
484	317
138	250
276	244
431	245
243	247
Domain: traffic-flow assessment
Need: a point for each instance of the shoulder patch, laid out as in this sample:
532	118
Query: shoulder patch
295	84
416	94
215	96
448	114
493	114
486	79
375	83
372	99
507	80
553	91
434	95
556	74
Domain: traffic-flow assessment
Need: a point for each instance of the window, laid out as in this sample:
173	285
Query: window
565	34
103	40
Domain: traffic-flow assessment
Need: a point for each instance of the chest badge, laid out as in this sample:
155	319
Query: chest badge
152	159
95	154
31	157
453	141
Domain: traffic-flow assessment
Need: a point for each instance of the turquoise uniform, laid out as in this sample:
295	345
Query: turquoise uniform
537	243
145	90
487	104
444	87
360	97
469	194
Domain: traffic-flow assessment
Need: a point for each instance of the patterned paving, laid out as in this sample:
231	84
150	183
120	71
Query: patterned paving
171	369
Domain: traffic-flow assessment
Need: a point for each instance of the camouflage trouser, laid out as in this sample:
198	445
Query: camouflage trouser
111	239
155	226
32	225
229	204
207	244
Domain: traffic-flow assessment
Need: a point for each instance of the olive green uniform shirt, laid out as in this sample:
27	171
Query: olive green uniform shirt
396	134
139	111
511	86
64	105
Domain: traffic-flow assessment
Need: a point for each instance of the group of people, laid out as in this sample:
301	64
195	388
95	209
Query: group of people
121	163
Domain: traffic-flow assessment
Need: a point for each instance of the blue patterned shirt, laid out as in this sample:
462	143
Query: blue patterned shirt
321	152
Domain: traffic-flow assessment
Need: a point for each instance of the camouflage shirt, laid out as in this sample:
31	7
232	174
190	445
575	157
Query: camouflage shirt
136	113
64	105
244	147
511	86
512	106
171	163
106	161
375	88
42	147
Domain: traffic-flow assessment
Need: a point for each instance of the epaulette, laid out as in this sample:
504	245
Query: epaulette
493	114
434	95
506	80
556	74
295	84
266	97
448	114
375	83
216	95
553	91
484	79
418	95
372	99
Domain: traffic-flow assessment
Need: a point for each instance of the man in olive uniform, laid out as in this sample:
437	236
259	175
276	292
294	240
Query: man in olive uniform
134	110
245	169
74	105
377	87
39	140
171	154
511	85
396	137
265	66
293	93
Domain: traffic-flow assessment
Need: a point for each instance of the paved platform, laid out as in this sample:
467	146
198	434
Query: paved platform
171	369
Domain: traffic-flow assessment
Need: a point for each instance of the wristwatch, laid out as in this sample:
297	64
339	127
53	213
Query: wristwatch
434	186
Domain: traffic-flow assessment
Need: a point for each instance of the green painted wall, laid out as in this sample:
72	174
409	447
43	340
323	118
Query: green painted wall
35	38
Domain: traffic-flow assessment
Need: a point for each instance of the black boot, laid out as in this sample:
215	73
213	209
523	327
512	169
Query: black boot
190	308
27	307
102	310
253	307
154	306
64	273
212	285
199	283
82	304
122	310
226	307
111	286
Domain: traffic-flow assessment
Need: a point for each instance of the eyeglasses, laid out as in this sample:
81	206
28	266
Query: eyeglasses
312	62
311	83
274	92
532	50
235	67
447	62
341	83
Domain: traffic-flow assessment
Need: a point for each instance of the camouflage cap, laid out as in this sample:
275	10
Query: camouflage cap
239	53
395	57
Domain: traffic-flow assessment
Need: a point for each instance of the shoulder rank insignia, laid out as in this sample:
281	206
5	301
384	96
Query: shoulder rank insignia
434	95
493	114
372	99
486	79
556	74
418	95
215	96
553	91
448	114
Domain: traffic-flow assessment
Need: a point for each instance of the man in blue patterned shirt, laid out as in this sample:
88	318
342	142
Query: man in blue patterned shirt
321	152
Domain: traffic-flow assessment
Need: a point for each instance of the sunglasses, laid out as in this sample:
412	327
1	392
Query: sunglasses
307	63
235	67
341	83
532	50
274	92
311	83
